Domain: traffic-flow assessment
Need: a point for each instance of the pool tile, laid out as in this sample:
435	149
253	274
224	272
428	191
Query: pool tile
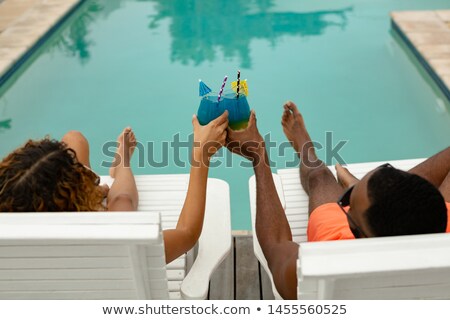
435	50
414	16
7	10
5	65
5	22
442	66
444	15
422	26
24	22
429	33
447	80
12	41
422	38
12	53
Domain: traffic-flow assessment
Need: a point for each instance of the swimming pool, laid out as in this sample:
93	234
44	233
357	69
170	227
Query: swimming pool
115	63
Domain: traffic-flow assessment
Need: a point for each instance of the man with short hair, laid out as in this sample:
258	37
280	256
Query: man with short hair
385	202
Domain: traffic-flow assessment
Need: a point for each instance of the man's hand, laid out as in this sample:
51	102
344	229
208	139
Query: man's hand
210	138
248	142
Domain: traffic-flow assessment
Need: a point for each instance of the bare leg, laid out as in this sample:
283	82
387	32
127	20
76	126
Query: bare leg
435	169
76	141
123	195
317	180
345	178
120	155
445	188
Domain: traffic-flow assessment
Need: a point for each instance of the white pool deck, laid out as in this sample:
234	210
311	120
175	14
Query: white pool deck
428	33
24	22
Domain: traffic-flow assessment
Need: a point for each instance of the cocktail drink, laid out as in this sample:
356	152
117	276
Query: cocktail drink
237	105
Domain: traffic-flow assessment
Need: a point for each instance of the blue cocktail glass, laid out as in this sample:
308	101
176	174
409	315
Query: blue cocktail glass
238	109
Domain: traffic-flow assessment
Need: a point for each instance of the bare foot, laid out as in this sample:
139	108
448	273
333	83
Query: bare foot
294	126
126	145
345	178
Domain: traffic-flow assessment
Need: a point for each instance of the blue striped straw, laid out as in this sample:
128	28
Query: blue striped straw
221	89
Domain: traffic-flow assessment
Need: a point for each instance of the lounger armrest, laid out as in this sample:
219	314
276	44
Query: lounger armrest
129	228
214	242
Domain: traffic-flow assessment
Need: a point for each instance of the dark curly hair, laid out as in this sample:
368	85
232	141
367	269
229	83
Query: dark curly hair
402	203
45	176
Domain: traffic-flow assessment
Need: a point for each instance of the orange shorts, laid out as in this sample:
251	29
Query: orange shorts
448	217
328	222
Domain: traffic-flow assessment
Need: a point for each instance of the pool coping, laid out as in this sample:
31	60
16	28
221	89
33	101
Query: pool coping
22	37
427	34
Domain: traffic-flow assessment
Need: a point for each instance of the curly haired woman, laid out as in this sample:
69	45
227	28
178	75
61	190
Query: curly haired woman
50	175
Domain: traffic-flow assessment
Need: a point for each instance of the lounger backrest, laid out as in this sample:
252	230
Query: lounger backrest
407	267
82	256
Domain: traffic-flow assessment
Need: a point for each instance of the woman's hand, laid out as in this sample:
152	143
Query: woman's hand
210	138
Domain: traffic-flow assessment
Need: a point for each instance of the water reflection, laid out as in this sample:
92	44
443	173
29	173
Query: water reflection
200	28
74	40
5	122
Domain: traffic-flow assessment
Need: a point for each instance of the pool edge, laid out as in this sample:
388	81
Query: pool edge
423	61
6	75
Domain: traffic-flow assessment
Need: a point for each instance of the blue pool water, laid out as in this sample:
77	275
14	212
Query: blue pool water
116	63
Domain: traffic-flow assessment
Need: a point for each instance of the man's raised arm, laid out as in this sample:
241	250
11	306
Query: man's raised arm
272	228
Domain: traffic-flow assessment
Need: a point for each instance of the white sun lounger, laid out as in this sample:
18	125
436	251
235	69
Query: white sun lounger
411	267
256	247
114	255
